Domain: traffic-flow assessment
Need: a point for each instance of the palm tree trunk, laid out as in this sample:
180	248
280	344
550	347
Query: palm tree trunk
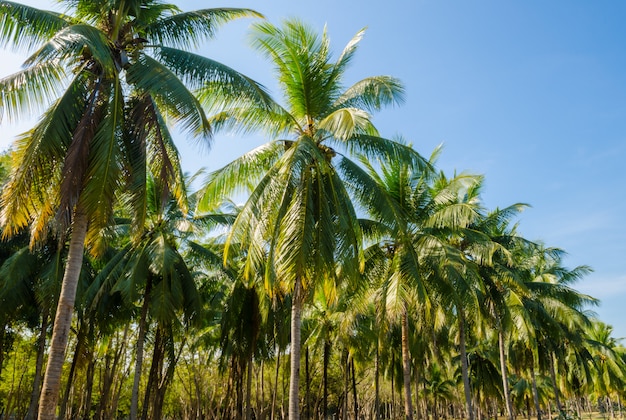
406	365
41	348
141	336
505	379
376	382
294	376
554	384
3	334
91	367
393	388
535	392
354	393
464	365
307	397
325	374
63	319
275	390
70	378
249	388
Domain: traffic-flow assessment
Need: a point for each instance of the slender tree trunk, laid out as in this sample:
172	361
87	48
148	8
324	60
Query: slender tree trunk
554	384
377	382
307	397
346	379
156	366
91	367
354	393
70	378
393	388
464	365
406	365
505	379
325	374
63	319
3	334
275	390
41	349
294	376
141	336
535	391
103	412
249	388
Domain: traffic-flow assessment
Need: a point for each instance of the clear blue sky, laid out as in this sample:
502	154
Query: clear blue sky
531	94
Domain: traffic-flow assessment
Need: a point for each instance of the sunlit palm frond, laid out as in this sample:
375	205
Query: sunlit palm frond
238	176
372	94
189	29
30	91
24	27
383	150
345	123
104	170
275	122
348	52
171	95
70	44
216	82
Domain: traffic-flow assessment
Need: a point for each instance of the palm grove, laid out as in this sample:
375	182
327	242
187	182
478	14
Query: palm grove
354	278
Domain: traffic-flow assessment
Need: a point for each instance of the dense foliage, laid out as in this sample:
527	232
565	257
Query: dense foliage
355	280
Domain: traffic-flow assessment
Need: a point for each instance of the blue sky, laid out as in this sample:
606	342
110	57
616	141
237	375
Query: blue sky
531	94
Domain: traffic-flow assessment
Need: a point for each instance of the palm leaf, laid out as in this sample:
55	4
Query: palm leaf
217	83
30	91
372	94
189	29
24	27
150	77
71	43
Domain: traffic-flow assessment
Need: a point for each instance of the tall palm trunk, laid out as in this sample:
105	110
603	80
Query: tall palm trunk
377	381
294	375
505	378
141	336
355	399
63	319
249	387
78	348
464	365
327	349
41	348
554	384
535	392
406	365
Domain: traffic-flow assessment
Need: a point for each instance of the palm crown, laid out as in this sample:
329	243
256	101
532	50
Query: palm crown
113	74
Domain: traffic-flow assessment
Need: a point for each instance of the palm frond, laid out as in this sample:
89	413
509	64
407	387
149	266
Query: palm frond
239	175
24	27
30	91
217	83
345	123
38	162
72	43
103	176
372	94
274	122
188	30
148	76
348	52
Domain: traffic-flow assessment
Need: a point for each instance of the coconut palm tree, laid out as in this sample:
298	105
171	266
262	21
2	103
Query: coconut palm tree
155	271
106	75
299	223
420	213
